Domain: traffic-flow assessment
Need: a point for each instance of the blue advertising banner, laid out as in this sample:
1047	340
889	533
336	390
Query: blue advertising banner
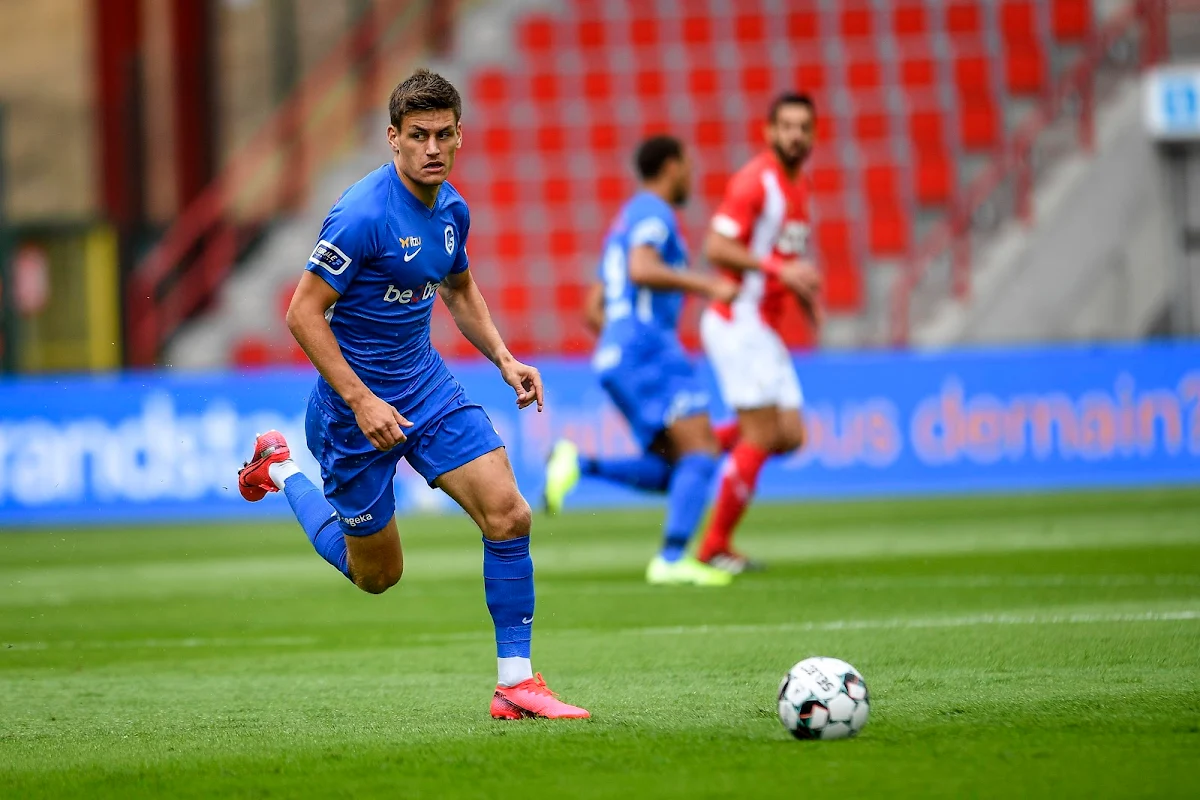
164	446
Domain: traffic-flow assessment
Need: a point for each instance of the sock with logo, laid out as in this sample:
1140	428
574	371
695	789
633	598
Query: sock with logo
686	500
647	472
316	516
737	487
508	588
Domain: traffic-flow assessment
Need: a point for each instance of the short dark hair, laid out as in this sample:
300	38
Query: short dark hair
791	99
653	154
423	91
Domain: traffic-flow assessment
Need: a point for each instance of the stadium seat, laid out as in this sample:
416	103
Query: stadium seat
750	30
597	86
809	77
889	231
544	87
650	84
910	19
933	177
1017	20
979	123
856	21
252	352
1071	20
537	36
863	72
490	88
697	31
1024	68
703	82
551	140
803	25
644	32
964	19
917	69
826	179
591	35
842	289
497	141
872	124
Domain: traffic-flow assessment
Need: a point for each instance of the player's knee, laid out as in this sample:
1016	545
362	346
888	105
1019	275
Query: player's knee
378	581
512	521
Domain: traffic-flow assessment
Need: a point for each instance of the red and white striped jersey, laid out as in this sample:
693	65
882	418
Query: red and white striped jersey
768	213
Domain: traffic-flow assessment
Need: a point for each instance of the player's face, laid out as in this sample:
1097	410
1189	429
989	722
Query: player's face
681	185
425	145
792	133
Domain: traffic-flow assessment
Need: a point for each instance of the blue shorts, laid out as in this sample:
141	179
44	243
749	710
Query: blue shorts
653	390
448	431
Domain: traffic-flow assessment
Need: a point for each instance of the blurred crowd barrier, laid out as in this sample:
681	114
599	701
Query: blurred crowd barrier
148	445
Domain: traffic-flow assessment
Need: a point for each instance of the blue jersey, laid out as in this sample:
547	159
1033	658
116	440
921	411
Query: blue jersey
386	253
646	219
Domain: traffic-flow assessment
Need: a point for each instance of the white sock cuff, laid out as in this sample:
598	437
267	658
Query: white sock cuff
281	471
513	670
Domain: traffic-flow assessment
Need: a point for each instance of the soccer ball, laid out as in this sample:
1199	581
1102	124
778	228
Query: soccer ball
823	698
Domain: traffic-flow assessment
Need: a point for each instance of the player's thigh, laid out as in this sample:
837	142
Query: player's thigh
487	490
377	559
759	426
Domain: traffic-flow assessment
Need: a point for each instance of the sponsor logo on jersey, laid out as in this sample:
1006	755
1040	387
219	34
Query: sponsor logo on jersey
328	256
354	522
406	296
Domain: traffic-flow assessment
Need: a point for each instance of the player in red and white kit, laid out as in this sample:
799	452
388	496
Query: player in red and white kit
759	237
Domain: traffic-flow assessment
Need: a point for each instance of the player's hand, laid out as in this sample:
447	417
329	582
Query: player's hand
802	278
723	291
382	424
525	380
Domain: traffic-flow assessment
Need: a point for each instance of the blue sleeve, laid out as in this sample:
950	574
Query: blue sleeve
653	228
461	262
347	240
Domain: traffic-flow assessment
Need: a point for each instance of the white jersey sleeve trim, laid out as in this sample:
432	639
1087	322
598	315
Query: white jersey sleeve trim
727	226
652	231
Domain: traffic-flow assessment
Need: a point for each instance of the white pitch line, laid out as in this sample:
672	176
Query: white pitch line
976	620
915	624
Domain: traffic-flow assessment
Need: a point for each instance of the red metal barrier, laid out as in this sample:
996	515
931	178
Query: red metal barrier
181	273
1015	159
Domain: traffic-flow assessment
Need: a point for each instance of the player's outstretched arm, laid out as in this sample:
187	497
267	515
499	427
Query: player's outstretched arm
646	268
465	302
381	423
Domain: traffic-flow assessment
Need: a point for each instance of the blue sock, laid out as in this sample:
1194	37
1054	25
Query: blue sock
646	472
508	587
318	519
686	501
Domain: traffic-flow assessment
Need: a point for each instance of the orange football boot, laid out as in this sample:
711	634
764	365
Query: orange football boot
254	478
532	698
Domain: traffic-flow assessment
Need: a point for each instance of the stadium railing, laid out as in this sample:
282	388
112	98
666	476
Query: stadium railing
274	171
1062	122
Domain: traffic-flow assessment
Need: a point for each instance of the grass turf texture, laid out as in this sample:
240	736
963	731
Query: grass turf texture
1037	646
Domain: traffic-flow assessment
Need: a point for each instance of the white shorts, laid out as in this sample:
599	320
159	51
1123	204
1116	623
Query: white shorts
752	364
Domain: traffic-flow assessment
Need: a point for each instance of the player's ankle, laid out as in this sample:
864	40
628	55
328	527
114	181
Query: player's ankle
280	471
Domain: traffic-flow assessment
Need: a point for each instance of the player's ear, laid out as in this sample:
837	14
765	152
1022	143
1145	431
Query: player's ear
458	130
393	137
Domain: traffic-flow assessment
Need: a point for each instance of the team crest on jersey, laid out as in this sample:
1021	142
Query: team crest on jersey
449	240
327	255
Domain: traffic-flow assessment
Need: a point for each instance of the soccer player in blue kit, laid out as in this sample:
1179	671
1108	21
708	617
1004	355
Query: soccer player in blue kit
644	369
391	244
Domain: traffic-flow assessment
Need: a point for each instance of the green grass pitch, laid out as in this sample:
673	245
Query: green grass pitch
1014	647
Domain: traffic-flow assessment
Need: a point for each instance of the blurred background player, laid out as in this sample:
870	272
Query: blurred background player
391	243
759	237
644	369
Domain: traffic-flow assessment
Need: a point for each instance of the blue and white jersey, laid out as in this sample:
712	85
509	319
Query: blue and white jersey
646	219
386	253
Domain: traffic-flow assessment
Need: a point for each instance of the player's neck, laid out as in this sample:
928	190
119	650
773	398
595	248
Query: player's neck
790	171
425	194
661	190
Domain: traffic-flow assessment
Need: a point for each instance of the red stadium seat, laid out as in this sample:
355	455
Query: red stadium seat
933	177
597	86
650	84
563	243
856	20
510	247
604	137
978	123
704	82
873	124
497	141
889	231
927	128
1071	20
757	82
556	191
881	184
697	31
570	297
709	132
644	32
809	77
827	179
803	25
503	193
972	75
910	18
750	29
544	87
551	139
611	189
252	352
863	72
490	87
515	298
918	71
591	35
1025	69
1018	20
537	35
712	186
964	19
835	254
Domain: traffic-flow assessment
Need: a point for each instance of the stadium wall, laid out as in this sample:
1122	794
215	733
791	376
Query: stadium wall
167	445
